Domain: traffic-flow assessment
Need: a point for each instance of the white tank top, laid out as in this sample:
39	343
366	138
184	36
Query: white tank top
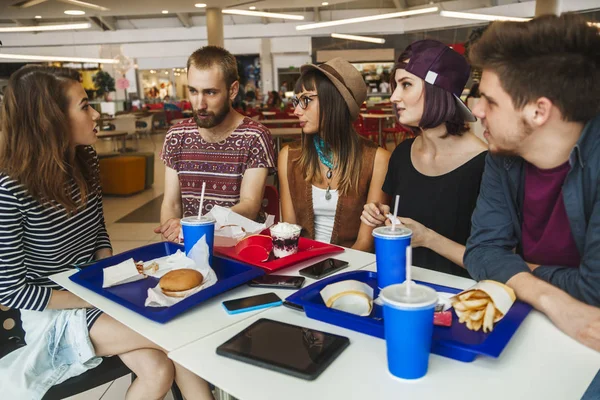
324	213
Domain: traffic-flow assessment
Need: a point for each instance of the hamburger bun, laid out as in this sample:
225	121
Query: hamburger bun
180	282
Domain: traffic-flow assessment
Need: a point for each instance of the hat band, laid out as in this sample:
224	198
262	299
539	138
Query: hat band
337	75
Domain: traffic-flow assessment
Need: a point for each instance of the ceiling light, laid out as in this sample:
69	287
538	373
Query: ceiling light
252	8
166	72
165	11
358	38
262	14
74	12
481	17
38	17
41	28
52	58
29	3
367	18
324	3
199	5
84	4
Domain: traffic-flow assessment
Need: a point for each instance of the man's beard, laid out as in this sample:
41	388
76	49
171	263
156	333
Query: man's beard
525	130
213	119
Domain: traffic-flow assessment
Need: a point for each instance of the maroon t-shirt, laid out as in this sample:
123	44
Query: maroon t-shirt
547	237
221	165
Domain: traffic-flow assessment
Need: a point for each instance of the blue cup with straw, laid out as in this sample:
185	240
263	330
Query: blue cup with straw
391	243
408	324
195	227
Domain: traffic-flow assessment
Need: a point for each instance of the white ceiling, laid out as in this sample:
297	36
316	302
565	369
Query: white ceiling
54	9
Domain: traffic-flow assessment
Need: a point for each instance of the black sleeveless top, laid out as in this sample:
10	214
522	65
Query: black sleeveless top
442	203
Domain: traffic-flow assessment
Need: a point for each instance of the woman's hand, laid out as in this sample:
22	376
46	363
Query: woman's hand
374	214
421	235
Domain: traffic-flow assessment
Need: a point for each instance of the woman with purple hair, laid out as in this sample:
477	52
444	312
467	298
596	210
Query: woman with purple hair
437	174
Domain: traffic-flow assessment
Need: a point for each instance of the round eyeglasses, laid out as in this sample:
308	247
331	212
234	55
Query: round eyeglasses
302	100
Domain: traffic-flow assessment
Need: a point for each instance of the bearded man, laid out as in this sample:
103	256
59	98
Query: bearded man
231	153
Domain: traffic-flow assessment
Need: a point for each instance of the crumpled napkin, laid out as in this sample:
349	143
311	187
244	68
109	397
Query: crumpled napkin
120	274
231	227
197	259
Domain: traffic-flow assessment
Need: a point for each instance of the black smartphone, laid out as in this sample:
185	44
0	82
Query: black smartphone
278	281
251	303
323	268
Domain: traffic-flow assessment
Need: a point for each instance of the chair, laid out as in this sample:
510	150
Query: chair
143	127
126	122
12	337
270	202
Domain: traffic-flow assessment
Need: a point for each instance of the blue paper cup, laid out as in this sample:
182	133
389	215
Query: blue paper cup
390	254
408	325
193	230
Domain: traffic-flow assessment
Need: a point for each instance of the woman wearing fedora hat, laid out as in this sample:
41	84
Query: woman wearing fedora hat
327	178
437	174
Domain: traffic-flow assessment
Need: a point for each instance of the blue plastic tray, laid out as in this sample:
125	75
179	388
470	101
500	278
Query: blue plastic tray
133	295
455	342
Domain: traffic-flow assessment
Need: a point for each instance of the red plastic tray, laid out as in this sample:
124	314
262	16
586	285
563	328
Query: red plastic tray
307	249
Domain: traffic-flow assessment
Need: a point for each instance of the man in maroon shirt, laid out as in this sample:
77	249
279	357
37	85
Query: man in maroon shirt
536	226
231	153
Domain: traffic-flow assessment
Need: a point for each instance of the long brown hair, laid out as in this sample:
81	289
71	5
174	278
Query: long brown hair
337	131
35	148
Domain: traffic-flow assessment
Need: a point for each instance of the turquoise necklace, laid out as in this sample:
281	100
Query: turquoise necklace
321	147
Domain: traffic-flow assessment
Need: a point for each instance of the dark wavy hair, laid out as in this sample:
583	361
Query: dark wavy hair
336	129
35	141
439	106
549	56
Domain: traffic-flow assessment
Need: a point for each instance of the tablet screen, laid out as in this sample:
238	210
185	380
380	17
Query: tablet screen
286	348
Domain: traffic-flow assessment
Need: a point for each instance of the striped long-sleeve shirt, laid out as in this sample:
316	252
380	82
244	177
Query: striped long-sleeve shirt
38	240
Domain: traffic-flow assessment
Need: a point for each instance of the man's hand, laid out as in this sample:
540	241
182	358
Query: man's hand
580	321
374	214
170	230
575	318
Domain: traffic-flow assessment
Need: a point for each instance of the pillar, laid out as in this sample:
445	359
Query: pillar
266	66
543	7
214	26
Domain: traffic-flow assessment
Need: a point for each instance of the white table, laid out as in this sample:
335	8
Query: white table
278	133
206	318
113	135
540	362
279	122
380	117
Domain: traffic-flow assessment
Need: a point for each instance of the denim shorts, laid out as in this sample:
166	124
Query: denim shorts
58	348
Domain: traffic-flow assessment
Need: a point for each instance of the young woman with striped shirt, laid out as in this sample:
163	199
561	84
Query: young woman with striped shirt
51	220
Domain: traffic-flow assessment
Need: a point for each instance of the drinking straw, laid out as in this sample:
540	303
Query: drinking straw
201	200
408	269
395	212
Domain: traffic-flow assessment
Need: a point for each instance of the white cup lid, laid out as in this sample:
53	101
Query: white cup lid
386	232
193	220
420	296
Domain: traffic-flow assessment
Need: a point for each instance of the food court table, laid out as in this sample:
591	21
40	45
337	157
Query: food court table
278	133
540	362
380	117
113	135
208	317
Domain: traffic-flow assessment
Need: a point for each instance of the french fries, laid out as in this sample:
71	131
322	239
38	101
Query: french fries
476	309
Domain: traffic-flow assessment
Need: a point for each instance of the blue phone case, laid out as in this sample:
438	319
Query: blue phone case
258	307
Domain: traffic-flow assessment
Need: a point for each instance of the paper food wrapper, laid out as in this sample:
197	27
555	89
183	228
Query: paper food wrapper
231	227
198	260
120	274
349	296
502	295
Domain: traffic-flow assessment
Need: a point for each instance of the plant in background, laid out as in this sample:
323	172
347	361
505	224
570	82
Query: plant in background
104	83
